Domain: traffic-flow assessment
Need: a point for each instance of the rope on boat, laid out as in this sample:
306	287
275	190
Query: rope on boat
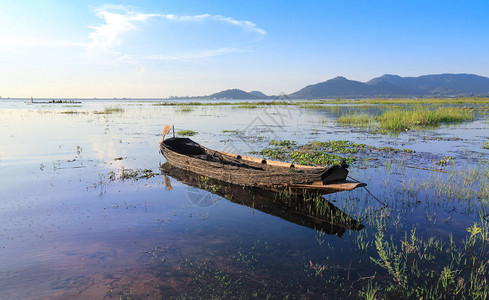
370	193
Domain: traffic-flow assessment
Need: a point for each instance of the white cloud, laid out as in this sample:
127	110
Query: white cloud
247	25
108	37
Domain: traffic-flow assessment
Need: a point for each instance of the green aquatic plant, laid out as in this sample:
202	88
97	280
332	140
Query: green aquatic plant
320	152
187	132
445	160
282	143
432	269
313	153
390	259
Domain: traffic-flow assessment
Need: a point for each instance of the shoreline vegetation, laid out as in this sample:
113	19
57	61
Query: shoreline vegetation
396	115
307	103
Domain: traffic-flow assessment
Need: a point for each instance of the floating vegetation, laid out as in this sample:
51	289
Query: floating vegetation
320	153
440	138
445	160
187	132
485	145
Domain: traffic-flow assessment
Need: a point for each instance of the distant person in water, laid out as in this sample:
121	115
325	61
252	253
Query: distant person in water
32	100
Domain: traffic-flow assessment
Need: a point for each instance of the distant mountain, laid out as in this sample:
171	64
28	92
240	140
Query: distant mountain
439	85
336	87
235	94
259	94
397	86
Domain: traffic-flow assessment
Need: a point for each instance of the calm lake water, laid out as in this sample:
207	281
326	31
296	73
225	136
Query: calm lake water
70	228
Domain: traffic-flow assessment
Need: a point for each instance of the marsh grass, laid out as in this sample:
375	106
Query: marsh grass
73	112
355	119
109	110
184	109
406	119
402	101
246	106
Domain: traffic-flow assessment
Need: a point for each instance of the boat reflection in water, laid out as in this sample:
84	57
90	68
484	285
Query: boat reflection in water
310	210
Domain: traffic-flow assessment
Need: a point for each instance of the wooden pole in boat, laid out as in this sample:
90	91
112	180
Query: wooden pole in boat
166	129
173	126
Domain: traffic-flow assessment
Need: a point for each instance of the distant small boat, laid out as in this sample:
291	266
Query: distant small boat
250	171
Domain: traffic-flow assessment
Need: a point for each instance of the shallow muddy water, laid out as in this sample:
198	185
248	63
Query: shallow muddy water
71	228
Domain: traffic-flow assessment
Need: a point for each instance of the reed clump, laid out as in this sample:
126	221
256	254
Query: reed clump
356	119
406	119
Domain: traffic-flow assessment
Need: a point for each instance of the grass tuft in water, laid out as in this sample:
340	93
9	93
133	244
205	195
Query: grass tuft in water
355	119
184	109
405	119
187	132
109	110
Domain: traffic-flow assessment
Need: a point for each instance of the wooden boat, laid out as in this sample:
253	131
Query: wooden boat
311	212
244	170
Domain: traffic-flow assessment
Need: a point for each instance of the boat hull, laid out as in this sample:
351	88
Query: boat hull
253	174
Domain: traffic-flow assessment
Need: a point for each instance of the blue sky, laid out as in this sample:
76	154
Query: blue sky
163	48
